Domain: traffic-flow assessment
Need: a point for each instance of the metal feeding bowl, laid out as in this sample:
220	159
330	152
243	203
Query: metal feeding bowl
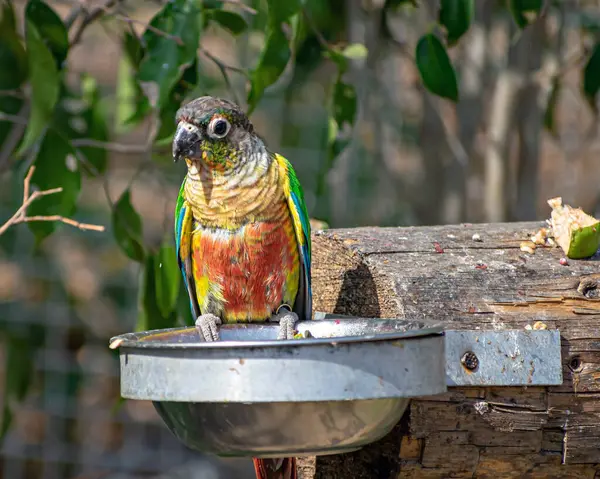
249	394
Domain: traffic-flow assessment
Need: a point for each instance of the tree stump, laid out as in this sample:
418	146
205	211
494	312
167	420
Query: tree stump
441	273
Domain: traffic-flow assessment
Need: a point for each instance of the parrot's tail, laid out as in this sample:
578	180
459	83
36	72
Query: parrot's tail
275	468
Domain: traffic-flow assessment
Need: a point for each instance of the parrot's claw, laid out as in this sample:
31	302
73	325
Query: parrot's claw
287	320
207	326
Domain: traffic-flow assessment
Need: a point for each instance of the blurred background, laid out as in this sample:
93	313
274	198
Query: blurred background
523	130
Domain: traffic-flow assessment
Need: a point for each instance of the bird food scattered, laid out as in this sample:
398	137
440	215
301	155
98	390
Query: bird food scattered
528	247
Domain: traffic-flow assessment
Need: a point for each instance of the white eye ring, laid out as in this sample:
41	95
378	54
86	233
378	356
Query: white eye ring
218	127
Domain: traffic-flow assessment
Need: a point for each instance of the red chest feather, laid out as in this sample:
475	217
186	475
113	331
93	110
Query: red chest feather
245	274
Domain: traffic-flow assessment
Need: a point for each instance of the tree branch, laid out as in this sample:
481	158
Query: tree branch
13	118
109	145
20	215
224	69
90	17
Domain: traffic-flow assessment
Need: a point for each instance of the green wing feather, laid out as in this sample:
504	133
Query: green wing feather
295	200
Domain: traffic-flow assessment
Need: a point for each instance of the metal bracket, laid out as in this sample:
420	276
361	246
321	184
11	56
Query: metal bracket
515	357
503	358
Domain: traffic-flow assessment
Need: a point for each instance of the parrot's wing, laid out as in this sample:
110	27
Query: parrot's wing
183	246
295	199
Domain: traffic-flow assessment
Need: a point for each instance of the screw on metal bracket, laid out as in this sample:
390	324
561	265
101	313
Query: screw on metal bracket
470	361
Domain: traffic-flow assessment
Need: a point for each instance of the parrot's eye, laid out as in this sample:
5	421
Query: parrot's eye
218	127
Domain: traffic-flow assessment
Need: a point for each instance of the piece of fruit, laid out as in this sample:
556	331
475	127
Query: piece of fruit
576	232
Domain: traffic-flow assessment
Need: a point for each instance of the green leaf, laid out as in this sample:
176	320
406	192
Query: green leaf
344	103
19	370
525	12
150	316
272	63
131	106
13	61
167	57
44	79
281	11
212	4
232	21
95	118
591	77
456	16
550	113
133	49
51	29
342	109
168	278
187	83
355	51
276	52
127	227
435	68
56	166
590	22
13	66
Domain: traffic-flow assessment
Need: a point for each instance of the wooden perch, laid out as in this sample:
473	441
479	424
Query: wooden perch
443	274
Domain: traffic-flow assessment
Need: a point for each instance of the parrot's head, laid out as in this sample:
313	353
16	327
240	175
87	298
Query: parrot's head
213	132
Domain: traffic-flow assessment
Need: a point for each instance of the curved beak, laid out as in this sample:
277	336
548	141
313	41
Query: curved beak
185	140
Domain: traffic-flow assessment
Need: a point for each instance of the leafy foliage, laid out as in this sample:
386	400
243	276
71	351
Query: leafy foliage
151	315
166	272
525	12
51	29
436	70
276	52
43	66
56	166
127	227
12	53
229	20
456	17
168	53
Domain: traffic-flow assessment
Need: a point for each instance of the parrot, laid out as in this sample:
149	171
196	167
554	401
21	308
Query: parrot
242	231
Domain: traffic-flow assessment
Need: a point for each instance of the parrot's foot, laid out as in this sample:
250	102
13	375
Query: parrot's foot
207	326
287	320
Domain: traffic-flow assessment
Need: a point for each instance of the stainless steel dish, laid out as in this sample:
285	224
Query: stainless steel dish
252	395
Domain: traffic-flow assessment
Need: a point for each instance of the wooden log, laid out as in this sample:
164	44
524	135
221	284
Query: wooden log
441	273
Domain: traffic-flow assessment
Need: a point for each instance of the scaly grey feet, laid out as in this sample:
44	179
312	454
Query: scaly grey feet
287	320
207	326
